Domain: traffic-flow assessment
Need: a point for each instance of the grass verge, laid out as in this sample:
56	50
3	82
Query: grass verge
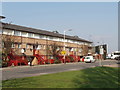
98	77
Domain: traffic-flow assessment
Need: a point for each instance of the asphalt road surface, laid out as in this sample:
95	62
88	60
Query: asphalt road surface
28	71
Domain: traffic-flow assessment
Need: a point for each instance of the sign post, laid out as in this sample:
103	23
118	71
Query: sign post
63	53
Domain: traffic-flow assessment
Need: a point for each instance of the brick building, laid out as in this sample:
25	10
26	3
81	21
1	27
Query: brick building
30	38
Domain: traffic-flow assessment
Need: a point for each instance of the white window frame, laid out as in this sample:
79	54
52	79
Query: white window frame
36	36
24	35
13	45
31	35
42	36
19	33
8	32
19	45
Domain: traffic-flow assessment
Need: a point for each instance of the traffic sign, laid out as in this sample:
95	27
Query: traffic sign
63	52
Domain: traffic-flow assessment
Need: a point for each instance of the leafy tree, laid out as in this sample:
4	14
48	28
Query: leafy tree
7	42
54	50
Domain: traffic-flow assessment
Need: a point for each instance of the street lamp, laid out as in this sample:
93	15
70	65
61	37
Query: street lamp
64	42
101	52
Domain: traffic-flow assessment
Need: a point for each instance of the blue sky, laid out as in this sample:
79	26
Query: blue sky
95	21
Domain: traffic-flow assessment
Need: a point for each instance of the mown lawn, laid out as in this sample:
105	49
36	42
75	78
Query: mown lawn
98	77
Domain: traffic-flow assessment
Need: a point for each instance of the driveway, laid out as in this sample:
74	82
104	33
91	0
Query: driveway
28	71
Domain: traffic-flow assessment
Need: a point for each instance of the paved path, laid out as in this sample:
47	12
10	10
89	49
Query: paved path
28	71
114	65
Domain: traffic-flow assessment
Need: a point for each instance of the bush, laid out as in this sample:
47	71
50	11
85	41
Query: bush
71	58
57	60
4	64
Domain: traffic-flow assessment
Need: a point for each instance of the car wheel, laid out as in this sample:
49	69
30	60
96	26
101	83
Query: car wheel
90	61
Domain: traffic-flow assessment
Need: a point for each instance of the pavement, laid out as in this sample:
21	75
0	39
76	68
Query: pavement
114	65
29	71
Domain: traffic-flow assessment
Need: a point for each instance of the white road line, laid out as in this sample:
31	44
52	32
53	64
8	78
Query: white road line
73	69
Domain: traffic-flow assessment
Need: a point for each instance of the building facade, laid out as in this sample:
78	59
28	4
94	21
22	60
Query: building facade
29	39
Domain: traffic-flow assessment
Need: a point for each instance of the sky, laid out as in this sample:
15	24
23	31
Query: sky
94	21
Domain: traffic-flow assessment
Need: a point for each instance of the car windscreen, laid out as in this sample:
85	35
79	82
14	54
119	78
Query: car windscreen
87	57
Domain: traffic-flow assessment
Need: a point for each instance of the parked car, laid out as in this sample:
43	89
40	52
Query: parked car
108	56
82	59
117	58
89	59
115	54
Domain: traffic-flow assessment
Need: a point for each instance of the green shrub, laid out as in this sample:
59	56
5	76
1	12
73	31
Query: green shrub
57	60
4	64
71	58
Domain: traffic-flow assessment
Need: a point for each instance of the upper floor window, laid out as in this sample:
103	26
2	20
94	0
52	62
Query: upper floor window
86	43
17	33
24	34
42	37
9	32
51	38
56	38
61	39
36	35
30	34
65	40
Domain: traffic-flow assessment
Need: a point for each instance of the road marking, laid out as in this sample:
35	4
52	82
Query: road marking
93	66
44	73
38	74
73	69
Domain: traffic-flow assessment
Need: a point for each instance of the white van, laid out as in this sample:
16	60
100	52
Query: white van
115	54
89	59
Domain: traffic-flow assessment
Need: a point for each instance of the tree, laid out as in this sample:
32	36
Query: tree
54	50
85	50
7	42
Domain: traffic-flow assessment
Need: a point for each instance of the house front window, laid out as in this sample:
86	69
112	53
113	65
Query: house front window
39	47
13	45
19	45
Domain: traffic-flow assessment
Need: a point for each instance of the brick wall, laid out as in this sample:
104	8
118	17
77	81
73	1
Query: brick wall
25	40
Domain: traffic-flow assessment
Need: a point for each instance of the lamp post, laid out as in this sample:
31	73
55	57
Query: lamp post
101	52
64	42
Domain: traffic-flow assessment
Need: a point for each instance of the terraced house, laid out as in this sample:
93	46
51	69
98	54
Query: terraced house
30	38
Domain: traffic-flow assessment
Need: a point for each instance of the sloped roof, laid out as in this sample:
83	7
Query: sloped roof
2	17
39	31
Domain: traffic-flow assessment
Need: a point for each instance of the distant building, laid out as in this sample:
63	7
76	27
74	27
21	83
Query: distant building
97	50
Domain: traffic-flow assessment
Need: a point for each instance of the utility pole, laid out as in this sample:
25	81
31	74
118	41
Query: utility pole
64	43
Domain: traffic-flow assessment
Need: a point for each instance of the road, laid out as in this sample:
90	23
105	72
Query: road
28	71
